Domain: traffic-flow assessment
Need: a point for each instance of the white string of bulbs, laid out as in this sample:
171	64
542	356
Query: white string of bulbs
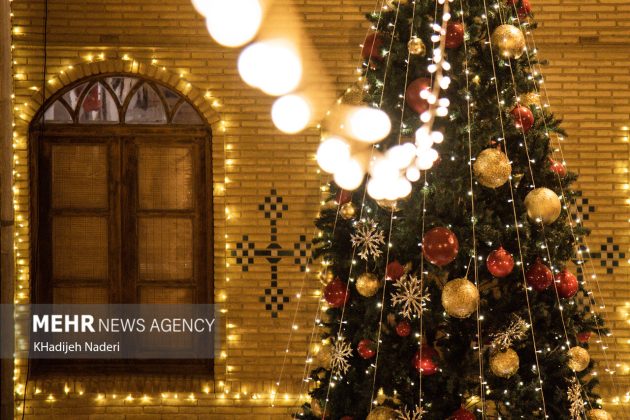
346	153
273	65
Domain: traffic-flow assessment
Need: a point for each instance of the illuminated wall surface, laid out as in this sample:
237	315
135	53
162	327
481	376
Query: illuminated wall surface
267	188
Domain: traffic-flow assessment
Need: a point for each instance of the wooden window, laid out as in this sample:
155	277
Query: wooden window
121	178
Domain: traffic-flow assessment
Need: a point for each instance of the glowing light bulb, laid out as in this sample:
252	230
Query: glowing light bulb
231	23
291	113
402	155
349	175
332	154
369	125
273	66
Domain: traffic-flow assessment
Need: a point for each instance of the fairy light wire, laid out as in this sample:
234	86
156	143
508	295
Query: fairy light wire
516	222
566	204
474	218
391	219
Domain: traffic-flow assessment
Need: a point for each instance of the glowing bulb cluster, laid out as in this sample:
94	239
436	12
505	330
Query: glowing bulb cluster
272	65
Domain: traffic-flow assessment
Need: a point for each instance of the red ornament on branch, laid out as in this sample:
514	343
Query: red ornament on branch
558	168
523	118
462	414
539	276
567	284
524	11
454	35
584	337
336	293
342	197
403	329
394	270
500	263
424	360
440	246
413	98
372	47
366	349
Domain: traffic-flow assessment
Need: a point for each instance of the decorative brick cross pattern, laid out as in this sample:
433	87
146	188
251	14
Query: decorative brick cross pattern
247	252
611	255
581	208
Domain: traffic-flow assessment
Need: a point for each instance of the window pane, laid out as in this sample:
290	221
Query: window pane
186	114
72	96
171	97
121	86
165	177
79	176
98	106
166	295
145	107
80	295
165	248
57	113
79	247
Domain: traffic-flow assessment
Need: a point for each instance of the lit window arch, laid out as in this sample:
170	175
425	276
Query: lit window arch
119	99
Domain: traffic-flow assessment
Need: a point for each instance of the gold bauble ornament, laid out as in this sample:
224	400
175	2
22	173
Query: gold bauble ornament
598	414
531	98
543	204
508	41
326	277
416	47
460	298
368	284
347	211
504	363
394	3
317	409
578	358
389	205
492	168
382	413
324	356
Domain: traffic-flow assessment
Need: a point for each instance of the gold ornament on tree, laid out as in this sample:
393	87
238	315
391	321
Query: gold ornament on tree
324	356
416	47
347	211
354	95
578	358
368	284
531	98
508	41
504	364
382	413
492	168
544	205
598	414
326	277
460	298
389	205
317	409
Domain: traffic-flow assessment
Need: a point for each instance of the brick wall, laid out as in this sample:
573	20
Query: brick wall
588	81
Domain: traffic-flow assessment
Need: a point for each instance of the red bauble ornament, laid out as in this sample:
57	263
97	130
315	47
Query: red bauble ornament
412	96
500	263
394	270
558	168
366	349
454	35
524	10
523	118
539	276
440	246
462	414
567	284
372	47
403	329
336	293
342	197
424	360
584	337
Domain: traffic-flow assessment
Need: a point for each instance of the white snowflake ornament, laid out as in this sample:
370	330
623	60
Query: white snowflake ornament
339	355
369	238
410	296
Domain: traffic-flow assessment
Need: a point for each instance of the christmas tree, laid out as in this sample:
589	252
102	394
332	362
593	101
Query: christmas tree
460	300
